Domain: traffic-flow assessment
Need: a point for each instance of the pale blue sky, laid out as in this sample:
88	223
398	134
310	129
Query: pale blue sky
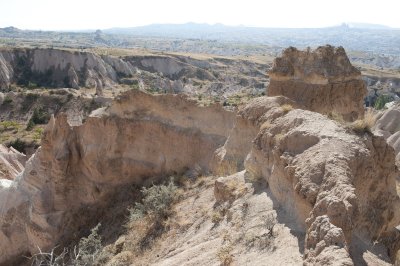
101	14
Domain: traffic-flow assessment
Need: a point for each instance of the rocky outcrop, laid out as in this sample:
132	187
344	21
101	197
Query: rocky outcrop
169	66
229	158
60	68
11	162
388	126
138	139
6	70
337	188
340	187
322	80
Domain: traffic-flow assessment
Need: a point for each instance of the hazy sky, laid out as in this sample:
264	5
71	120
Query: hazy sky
101	14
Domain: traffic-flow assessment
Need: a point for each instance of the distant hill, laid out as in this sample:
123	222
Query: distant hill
367	26
370	38
354	36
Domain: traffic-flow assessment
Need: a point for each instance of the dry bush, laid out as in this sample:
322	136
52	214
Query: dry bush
156	202
219	213
224	255
287	108
359	126
365	124
336	117
265	125
279	137
216	217
84	254
148	219
49	258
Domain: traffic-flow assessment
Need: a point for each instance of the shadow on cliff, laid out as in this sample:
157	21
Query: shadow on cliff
281	215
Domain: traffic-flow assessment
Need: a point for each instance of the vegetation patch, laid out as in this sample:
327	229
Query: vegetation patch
365	124
156	202
18	144
39	117
84	254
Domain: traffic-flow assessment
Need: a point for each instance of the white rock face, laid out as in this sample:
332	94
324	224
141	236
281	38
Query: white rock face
63	66
11	163
139	137
329	181
6	70
388	126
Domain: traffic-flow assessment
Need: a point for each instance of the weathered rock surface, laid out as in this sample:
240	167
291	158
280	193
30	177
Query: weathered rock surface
60	68
138	137
332	190
11	162
322	80
388	126
229	158
338	186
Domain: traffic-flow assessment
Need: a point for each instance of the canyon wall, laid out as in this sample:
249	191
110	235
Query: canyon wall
138	139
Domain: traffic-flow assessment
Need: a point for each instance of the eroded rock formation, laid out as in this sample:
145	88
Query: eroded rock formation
322	80
138	137
11	162
60	68
388	126
340	187
337	187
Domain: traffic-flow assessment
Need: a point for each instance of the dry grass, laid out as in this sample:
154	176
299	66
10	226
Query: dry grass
279	137
365	124
336	117
225	256
359	126
216	217
287	108
265	125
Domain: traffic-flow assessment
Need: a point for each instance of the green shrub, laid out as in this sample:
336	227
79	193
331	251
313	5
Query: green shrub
381	101
39	117
88	248
7	101
156	202
18	144
8	125
37	134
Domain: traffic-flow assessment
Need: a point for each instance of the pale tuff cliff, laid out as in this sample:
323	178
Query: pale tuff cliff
335	189
11	162
388	126
60	68
139	137
340	187
322	80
